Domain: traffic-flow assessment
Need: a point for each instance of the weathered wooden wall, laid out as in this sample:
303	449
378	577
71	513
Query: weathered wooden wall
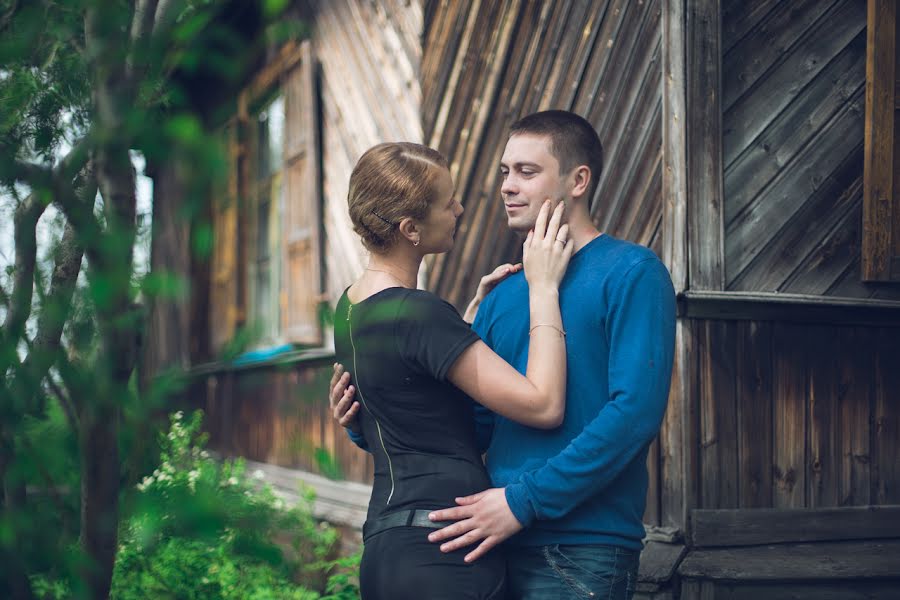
485	64
796	415
369	54
279	415
793	101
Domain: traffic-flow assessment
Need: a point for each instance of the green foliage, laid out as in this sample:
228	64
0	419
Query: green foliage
75	74
47	463
44	77
201	529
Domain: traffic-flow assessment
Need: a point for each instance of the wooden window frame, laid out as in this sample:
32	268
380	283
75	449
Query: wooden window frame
298	256
263	261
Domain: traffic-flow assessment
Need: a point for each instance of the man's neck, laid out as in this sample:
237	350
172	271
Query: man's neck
582	231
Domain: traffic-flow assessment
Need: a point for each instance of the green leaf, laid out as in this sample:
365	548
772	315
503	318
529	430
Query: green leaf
273	8
185	128
165	285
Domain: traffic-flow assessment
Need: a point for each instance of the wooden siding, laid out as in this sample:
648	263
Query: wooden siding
797	416
485	64
280	416
369	54
793	101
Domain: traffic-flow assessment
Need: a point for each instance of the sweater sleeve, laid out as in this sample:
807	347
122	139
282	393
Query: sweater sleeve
641	331
358	439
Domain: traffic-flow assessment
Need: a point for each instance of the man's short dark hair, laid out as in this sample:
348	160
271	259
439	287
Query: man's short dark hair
573	140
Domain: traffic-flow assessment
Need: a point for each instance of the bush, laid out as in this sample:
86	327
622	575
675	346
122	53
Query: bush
200	529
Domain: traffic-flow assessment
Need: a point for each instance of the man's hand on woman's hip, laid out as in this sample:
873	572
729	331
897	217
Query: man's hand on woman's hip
484	517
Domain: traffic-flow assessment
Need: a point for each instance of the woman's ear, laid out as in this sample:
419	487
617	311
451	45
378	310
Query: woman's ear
581	180
410	230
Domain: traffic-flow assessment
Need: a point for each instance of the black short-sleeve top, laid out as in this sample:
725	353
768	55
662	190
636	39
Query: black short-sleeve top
398	346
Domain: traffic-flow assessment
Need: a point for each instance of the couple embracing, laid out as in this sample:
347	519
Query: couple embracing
560	381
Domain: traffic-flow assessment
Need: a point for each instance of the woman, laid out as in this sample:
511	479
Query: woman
414	362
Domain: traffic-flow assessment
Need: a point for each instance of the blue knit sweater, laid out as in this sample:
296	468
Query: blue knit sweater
586	481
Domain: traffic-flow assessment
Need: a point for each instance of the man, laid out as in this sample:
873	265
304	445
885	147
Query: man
578	491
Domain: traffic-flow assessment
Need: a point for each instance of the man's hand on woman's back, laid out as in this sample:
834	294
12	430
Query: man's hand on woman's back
340	399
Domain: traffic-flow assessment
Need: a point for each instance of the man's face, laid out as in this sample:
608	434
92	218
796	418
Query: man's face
530	176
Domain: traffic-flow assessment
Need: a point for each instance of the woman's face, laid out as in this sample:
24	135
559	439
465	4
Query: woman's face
439	226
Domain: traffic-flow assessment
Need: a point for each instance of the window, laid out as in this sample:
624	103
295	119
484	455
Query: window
266	263
881	197
263	210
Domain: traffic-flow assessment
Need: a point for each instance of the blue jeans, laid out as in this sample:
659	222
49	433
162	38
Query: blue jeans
572	572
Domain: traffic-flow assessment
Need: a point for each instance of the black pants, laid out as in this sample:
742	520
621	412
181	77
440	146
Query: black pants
401	564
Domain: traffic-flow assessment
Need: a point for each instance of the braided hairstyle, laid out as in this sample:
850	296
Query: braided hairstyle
390	182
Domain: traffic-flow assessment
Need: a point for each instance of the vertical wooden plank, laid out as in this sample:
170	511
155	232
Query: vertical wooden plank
651	512
301	247
674	141
244	175
789	395
223	300
895	226
716	355
227	391
690	589
704	146
857	377
824	448
886	442
281	413
679	444
754	383
695	589
881	200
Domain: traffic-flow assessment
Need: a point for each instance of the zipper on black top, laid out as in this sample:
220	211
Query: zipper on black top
366	406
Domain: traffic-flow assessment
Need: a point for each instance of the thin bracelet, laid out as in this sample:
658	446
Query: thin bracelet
547	325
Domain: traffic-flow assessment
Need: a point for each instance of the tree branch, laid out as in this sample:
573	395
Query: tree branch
36	176
39	177
144	19
27	215
74	162
166	13
8	16
55	309
45	348
141	30
76	200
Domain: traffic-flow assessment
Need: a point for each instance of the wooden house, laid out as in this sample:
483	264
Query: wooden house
752	144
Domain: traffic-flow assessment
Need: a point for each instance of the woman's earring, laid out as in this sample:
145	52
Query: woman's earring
416	243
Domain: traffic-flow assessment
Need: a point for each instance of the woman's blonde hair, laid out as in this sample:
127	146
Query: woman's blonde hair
390	182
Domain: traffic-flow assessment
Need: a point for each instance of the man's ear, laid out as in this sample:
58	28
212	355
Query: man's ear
581	181
410	230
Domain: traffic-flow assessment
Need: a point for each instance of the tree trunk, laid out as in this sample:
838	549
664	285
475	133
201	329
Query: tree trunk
98	440
119	326
167	343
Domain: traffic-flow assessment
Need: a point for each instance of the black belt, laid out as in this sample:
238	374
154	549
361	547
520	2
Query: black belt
403	518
